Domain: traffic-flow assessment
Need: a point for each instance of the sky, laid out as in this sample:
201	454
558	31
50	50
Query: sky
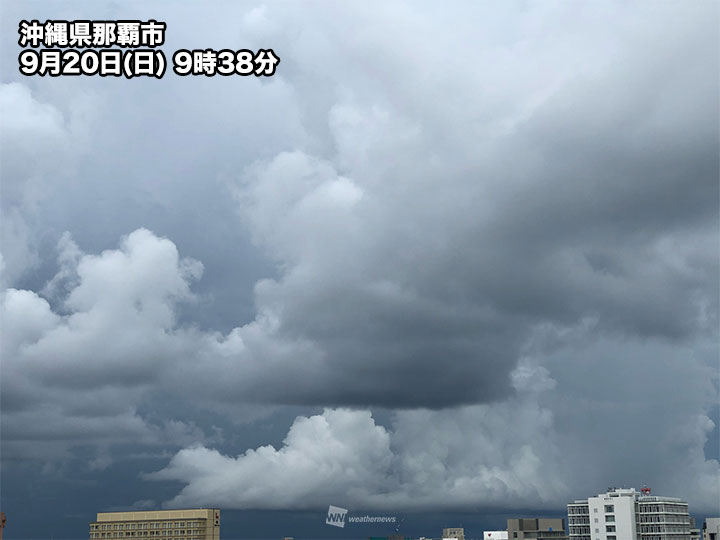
450	263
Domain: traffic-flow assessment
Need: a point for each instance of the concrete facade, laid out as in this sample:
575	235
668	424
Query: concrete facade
711	529
189	524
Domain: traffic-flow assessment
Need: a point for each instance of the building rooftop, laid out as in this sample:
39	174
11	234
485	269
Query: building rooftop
140	515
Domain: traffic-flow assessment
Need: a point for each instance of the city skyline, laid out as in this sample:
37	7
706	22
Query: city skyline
626	512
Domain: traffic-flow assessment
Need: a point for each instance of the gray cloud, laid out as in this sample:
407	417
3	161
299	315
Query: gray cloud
520	452
416	202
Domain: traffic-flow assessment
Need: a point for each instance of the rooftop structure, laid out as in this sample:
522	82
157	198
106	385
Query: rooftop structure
495	535
454	532
536	528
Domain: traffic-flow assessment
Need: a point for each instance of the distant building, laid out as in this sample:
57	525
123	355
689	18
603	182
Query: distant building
536	528
3	520
454	532
190	524
711	529
495	535
625	514
695	533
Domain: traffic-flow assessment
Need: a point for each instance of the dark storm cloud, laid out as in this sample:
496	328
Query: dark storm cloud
446	266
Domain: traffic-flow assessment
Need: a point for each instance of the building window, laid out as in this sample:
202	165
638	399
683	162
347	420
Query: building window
610	519
609	528
609	508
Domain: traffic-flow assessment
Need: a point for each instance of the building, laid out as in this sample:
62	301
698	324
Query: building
711	529
454	532
190	524
625	514
695	533
3	520
495	535
536	528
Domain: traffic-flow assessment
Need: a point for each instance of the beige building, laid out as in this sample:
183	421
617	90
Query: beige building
190	524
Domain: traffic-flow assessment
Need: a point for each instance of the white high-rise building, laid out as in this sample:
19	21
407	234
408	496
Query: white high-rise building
625	514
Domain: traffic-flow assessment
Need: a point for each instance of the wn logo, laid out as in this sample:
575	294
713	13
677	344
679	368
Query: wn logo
336	516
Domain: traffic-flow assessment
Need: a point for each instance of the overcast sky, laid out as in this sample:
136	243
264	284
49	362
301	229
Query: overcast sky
458	259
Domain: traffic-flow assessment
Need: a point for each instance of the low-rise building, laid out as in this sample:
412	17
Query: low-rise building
495	535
